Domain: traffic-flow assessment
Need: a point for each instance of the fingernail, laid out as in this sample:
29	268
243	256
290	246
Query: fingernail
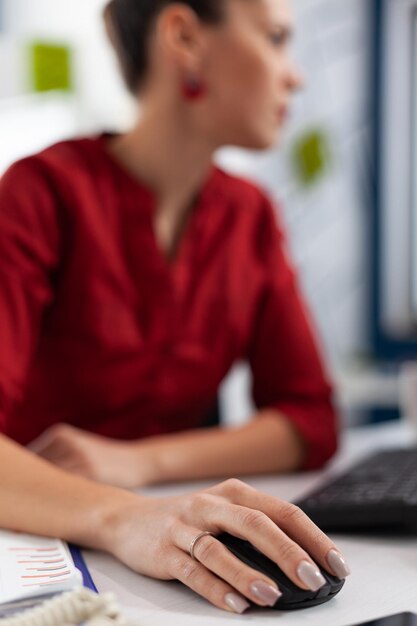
264	592
338	564
236	602
310	575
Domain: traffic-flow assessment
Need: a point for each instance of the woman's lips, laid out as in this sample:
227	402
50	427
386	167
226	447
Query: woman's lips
283	114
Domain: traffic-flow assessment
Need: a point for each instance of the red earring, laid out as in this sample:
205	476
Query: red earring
193	89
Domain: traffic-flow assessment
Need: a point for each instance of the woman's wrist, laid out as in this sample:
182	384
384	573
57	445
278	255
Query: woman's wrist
109	514
148	460
141	464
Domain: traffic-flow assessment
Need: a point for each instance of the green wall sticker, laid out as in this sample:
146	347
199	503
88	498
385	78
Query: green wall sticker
311	156
51	66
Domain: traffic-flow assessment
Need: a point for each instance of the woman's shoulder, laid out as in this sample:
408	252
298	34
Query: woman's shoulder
70	157
34	184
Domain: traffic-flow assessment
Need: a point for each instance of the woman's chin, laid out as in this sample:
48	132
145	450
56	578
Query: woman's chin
268	136
253	138
265	142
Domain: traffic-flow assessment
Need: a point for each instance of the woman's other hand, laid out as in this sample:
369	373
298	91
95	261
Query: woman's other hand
116	463
155	538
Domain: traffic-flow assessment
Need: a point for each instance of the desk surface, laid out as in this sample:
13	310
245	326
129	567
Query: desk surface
384	569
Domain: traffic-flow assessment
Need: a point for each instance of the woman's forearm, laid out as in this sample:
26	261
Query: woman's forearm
268	444
38	498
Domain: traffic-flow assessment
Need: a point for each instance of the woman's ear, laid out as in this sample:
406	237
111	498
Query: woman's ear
181	34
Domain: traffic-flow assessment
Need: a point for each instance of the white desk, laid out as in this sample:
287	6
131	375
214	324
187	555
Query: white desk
384	570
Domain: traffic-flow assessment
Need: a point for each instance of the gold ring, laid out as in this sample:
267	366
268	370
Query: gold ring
195	540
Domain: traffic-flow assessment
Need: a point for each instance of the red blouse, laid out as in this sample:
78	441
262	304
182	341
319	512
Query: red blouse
99	330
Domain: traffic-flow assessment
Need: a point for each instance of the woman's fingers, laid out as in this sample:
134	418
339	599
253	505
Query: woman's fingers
249	521
220	561
56	442
198	578
295	523
47	447
269	539
74	467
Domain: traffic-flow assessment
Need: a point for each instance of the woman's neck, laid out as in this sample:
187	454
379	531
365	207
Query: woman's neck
169	158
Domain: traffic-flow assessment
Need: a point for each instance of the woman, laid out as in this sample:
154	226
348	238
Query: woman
132	274
152	271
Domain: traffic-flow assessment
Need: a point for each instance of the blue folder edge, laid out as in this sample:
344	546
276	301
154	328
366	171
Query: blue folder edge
79	562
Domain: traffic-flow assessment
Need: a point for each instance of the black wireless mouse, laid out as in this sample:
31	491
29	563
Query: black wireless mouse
292	596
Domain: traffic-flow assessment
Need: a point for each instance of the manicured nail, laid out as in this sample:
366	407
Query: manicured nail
338	564
236	603
310	575
265	593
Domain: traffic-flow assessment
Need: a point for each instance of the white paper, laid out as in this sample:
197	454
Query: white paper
33	566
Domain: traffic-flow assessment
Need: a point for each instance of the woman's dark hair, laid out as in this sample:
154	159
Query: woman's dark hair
130	22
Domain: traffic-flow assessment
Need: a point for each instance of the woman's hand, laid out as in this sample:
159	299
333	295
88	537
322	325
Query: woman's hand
154	538
116	463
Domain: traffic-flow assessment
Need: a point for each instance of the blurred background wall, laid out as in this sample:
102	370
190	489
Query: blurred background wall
320	176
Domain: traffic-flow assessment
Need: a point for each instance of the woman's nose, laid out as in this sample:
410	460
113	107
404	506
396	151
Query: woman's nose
296	79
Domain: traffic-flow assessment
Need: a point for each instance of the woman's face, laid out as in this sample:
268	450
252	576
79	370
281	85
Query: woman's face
249	74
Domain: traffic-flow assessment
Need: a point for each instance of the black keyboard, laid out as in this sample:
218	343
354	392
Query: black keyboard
377	493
